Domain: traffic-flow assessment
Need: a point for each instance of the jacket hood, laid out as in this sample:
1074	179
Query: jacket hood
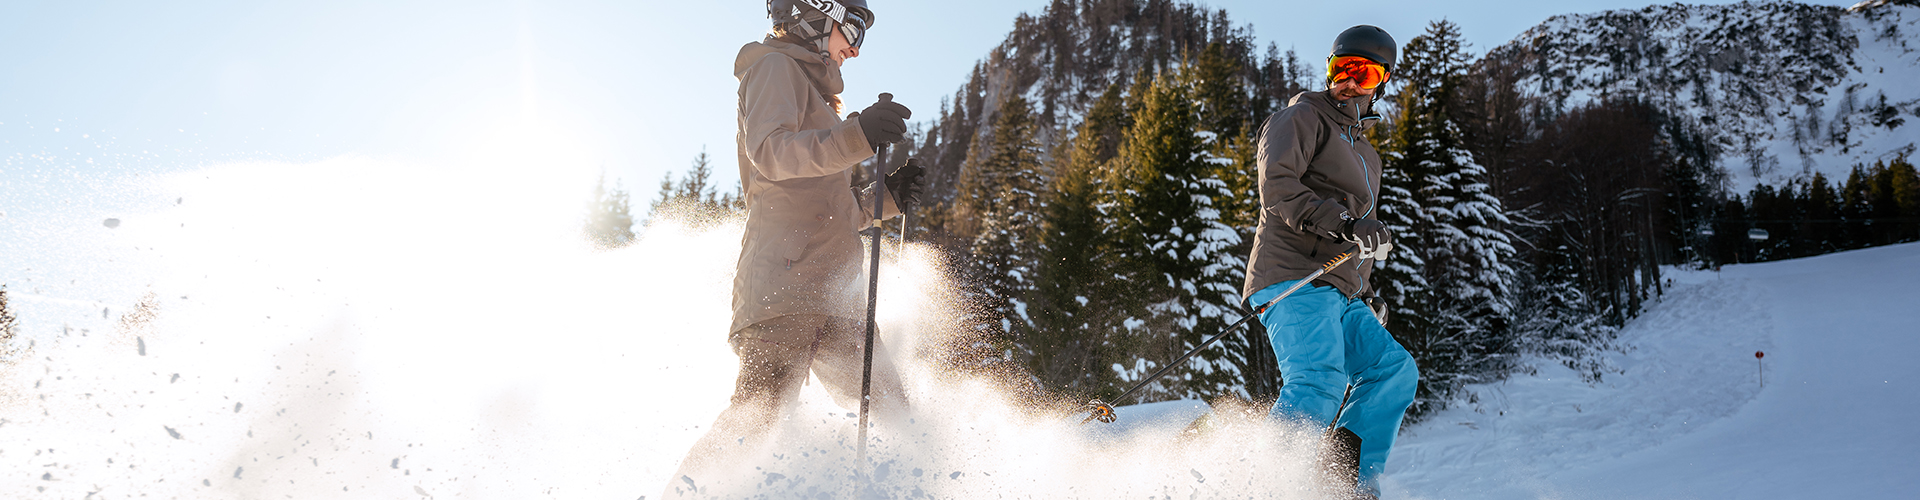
822	70
1358	110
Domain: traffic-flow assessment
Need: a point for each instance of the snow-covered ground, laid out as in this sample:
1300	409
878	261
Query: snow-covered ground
296	331
1686	414
360	328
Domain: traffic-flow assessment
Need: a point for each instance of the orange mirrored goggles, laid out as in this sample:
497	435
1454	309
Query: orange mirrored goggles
1363	71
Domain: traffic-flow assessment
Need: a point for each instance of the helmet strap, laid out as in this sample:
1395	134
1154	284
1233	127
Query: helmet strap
818	36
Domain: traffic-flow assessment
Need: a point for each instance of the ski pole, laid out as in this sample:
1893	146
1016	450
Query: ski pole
873	291
1102	411
903	227
1342	410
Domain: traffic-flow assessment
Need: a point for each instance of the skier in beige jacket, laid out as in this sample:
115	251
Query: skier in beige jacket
798	294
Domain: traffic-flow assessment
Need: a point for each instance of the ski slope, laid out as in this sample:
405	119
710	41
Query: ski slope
1684	413
291	330
244	333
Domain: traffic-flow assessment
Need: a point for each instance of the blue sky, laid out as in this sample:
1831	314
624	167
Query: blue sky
638	88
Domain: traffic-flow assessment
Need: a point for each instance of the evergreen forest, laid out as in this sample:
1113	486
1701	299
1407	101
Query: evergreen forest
1093	185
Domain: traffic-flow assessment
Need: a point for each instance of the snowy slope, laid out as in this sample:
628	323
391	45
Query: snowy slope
1782	89
1685	414
243	335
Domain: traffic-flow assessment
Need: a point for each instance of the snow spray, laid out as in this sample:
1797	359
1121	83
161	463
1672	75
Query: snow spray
359	328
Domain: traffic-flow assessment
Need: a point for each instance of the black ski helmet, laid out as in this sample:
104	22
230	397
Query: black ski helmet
805	18
1366	41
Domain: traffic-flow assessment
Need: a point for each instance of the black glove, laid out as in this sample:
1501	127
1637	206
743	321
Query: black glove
884	121
906	183
1370	234
1379	306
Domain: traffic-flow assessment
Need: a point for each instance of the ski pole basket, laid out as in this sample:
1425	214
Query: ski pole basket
1098	410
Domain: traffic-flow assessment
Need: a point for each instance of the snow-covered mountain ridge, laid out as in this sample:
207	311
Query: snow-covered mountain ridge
1782	89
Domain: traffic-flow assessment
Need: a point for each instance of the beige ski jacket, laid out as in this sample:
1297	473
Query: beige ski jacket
1316	169
801	253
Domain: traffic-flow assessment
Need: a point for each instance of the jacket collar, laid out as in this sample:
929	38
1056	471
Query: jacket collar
1358	110
824	73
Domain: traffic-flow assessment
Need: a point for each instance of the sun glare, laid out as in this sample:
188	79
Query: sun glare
373	327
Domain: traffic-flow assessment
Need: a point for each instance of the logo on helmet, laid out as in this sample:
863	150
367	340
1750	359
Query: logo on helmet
832	9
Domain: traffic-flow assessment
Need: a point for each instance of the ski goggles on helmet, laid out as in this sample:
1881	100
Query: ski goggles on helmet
855	29
1364	72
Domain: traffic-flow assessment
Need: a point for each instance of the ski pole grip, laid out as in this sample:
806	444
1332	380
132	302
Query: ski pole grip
886	97
1341	259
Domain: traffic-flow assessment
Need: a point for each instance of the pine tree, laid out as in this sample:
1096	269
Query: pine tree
609	224
8	328
1167	232
1856	207
1002	191
1904	183
1450	279
1077	306
1823	207
1228	126
694	200
1766	206
1689	202
1220	92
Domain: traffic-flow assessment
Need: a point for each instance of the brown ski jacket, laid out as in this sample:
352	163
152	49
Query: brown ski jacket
801	253
1316	169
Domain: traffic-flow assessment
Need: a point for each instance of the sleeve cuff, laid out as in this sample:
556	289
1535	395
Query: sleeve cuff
852	139
864	196
1331	217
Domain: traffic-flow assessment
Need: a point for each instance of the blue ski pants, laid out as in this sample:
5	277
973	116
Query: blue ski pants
1325	341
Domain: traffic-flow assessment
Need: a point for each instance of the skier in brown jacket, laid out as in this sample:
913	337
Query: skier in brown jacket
1319	191
798	296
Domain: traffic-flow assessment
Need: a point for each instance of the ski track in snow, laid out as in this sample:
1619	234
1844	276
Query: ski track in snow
1657	389
1686	416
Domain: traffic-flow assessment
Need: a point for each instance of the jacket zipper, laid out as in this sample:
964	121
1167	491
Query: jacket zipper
1366	179
1366	174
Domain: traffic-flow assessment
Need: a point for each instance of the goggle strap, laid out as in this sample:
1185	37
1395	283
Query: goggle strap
816	35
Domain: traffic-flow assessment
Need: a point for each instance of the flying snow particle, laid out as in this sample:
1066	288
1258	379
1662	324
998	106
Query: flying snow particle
171	432
111	223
